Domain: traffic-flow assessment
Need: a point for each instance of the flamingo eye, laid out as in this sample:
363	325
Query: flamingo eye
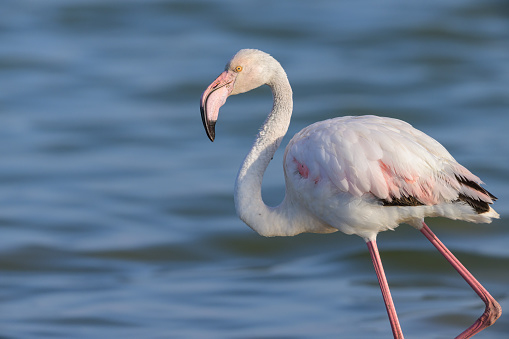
238	69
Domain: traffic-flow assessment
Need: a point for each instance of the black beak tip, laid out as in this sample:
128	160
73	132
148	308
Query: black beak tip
210	126
211	130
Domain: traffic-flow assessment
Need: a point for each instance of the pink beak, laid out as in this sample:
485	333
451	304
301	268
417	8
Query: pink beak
213	98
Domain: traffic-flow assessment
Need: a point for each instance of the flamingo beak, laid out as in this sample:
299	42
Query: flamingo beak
213	98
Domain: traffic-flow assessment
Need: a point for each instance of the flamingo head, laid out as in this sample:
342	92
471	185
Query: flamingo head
247	70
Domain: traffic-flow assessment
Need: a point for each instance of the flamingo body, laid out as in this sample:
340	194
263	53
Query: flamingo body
360	175
363	175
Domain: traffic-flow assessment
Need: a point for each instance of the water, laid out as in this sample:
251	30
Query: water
116	212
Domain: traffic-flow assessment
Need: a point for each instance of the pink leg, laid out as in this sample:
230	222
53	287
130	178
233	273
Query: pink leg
386	293
493	309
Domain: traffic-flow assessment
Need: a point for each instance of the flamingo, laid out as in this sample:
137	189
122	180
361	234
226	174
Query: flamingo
356	174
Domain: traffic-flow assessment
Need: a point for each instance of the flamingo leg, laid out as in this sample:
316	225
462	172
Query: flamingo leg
386	293
493	309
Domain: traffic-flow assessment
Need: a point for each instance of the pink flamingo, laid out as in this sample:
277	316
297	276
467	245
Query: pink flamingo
360	175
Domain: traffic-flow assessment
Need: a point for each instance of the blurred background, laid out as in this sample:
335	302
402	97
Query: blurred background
116	212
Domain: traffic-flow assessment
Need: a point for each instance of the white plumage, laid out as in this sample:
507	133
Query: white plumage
352	164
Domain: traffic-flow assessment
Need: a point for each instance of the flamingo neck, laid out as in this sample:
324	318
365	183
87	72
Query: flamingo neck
268	221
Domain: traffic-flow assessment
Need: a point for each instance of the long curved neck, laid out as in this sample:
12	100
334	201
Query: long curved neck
250	207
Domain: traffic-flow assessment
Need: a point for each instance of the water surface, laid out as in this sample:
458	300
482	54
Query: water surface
116	212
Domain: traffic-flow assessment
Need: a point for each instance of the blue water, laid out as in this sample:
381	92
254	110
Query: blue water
116	212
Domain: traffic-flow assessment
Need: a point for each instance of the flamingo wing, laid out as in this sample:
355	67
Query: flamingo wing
385	157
